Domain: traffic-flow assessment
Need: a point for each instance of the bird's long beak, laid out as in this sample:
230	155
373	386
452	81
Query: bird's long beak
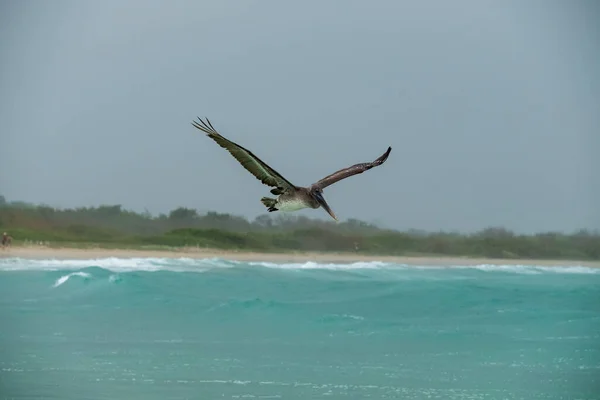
323	203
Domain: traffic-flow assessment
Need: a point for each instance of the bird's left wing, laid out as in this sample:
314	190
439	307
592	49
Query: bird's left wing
353	170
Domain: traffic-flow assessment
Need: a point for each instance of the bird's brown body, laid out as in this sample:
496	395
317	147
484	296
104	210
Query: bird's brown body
293	200
290	197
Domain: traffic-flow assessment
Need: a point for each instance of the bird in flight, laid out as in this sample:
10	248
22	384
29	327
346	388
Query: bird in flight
290	197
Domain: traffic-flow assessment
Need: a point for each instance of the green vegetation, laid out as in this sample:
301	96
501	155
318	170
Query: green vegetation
112	226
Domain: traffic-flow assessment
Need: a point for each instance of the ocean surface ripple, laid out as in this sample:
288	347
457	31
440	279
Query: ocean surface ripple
187	328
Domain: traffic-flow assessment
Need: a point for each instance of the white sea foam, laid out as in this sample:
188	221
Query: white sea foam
115	264
535	269
200	265
332	266
65	278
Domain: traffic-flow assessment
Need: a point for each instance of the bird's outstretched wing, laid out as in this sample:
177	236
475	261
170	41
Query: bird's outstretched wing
353	170
249	161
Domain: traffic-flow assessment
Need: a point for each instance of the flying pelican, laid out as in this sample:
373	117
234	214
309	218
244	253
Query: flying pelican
290	196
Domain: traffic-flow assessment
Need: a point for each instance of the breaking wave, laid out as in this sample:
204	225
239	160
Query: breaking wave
201	265
65	278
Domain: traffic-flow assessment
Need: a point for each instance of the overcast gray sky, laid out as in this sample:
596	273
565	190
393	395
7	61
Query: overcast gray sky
492	108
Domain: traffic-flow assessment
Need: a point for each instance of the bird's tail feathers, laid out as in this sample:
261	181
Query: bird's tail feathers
269	203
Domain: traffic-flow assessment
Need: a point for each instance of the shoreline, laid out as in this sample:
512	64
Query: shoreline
66	253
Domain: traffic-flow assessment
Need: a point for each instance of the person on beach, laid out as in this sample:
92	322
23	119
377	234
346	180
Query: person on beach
6	240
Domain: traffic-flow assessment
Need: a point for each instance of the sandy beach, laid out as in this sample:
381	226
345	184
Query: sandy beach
77	253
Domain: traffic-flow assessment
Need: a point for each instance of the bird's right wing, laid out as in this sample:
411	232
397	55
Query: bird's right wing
353	170
249	161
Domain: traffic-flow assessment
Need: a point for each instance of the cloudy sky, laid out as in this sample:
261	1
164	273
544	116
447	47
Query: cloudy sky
492	108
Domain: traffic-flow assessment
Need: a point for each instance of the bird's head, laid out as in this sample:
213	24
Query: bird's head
317	193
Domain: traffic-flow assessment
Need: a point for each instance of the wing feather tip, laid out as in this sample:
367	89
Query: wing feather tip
385	155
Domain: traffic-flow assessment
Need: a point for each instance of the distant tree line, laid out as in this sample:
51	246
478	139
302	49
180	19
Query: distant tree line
113	225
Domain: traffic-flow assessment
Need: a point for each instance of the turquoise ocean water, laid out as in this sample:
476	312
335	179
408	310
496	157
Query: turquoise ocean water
213	329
